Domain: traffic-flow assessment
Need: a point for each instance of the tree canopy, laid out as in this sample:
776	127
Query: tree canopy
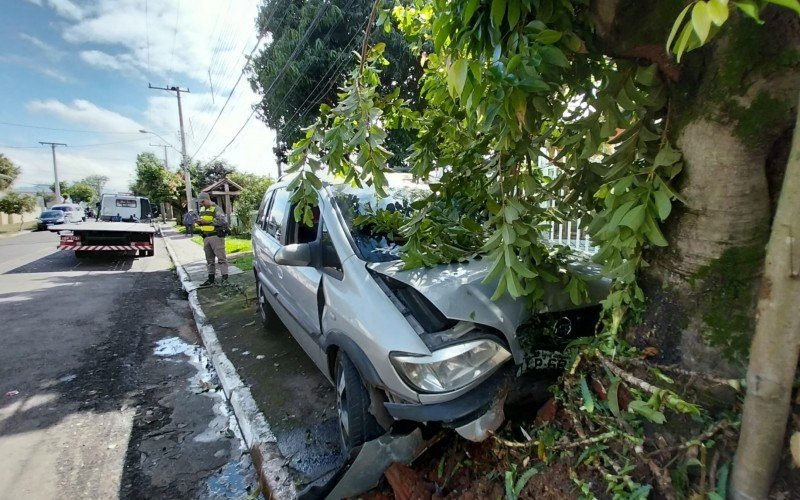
290	98
82	192
8	172
155	181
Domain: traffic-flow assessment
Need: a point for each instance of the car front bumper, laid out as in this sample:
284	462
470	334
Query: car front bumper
474	415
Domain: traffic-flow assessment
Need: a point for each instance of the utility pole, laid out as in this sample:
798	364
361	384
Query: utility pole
166	160
184	160
56	187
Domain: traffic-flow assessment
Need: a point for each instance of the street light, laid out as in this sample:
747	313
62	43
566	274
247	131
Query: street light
185	164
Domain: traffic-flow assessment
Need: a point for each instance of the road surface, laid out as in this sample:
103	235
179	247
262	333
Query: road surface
103	392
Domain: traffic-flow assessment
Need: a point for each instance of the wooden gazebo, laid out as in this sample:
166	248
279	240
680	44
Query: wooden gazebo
221	193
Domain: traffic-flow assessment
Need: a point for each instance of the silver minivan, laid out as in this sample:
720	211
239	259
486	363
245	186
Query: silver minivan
424	345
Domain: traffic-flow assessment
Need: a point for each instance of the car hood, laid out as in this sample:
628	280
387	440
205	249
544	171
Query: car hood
458	291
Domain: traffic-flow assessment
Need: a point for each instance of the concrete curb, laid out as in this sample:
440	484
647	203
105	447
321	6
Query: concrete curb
274	477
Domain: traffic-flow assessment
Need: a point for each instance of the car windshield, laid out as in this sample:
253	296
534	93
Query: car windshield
377	239
61	209
51	214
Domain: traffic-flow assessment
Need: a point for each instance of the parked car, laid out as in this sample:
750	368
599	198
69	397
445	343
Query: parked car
49	218
422	345
72	212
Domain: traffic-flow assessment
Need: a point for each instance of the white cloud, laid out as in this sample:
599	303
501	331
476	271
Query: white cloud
48	50
84	113
36	2
103	60
65	8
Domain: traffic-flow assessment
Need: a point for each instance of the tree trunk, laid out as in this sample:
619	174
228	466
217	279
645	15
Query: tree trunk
731	106
775	347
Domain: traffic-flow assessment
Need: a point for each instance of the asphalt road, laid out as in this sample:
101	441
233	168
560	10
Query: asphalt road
104	392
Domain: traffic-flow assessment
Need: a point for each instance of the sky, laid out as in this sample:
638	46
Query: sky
77	72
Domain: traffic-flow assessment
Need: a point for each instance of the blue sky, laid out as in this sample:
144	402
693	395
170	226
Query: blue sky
83	67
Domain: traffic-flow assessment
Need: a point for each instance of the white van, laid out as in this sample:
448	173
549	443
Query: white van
125	208
72	212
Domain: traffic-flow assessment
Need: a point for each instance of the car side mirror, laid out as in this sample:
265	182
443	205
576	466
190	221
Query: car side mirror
298	254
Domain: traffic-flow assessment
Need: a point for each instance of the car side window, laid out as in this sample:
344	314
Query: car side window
277	214
299	232
264	209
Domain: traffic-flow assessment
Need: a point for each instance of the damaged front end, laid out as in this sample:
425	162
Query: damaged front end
465	380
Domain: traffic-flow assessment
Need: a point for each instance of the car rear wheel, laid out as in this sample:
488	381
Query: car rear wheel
356	424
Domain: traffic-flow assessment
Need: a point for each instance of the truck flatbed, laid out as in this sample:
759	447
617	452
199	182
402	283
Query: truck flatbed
88	237
137	227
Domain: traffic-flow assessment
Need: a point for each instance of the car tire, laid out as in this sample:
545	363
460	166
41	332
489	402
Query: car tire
265	311
356	424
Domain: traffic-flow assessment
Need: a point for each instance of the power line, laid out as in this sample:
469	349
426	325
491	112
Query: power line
174	36
105	132
226	101
300	44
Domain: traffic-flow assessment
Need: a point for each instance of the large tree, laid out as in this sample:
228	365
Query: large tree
674	165
18	204
82	192
97	182
155	181
334	29
205	174
8	172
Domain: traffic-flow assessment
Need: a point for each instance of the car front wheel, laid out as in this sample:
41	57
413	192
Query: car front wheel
356	424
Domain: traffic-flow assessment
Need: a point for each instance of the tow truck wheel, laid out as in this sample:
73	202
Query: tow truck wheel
81	254
264	309
356	424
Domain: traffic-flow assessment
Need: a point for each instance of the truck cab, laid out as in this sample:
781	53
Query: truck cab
125	207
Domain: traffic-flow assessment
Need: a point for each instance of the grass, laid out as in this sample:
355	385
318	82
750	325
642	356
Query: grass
14	228
232	244
244	262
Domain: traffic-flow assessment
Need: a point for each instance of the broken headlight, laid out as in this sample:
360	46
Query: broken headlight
451	367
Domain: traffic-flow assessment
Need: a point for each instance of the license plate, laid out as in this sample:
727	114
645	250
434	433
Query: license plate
545	360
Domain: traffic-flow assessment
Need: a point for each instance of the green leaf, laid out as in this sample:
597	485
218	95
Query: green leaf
666	156
635	218
718	10
457	76
548	37
469	10
554	56
701	20
643	409
663	203
750	8
588	400
498	12
676	26
683	40
514	8
789	4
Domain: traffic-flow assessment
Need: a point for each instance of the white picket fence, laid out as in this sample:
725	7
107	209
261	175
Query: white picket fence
570	233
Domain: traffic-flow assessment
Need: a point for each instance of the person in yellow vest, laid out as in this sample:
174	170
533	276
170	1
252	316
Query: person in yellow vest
213	227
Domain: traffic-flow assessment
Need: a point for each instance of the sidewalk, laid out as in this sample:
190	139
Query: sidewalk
190	255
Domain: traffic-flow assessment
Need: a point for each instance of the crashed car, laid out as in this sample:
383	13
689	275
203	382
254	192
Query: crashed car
425	345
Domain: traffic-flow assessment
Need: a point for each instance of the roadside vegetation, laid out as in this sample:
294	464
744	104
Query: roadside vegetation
671	125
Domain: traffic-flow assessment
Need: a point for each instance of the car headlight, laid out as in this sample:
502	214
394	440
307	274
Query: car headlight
451	367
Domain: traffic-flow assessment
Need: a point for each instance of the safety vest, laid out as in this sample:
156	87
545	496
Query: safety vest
206	221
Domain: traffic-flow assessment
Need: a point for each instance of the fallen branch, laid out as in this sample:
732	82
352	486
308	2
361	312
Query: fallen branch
708	434
627	376
687	373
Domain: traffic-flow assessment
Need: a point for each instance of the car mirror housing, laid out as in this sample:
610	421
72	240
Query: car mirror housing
298	254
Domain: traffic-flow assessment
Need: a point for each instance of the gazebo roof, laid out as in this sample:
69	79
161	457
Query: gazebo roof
219	187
